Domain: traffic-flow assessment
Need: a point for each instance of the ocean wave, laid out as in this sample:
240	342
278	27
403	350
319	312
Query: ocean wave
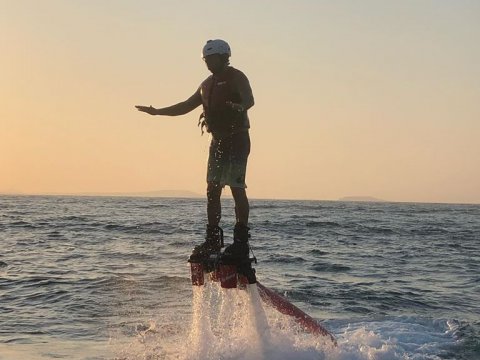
428	230
318	252
22	224
284	258
370	229
327	224
329	267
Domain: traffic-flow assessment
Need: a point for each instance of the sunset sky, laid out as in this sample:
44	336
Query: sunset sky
353	98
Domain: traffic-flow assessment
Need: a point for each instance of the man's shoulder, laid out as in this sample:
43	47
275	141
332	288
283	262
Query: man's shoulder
235	71
236	74
208	79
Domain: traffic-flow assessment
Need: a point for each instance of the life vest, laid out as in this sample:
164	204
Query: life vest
219	118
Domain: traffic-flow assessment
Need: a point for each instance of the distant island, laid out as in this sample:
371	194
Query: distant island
361	198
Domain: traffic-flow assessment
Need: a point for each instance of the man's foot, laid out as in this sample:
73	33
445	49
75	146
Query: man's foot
212	245
238	251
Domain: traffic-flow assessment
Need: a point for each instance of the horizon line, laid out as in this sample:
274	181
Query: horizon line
194	195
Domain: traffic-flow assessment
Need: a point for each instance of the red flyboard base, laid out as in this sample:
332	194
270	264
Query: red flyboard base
308	323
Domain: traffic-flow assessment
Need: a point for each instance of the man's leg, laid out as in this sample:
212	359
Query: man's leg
214	234
214	207
242	207
240	150
239	250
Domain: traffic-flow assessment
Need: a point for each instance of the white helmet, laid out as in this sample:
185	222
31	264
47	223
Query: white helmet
216	47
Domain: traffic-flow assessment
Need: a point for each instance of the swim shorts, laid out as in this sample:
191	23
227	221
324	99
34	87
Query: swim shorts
227	160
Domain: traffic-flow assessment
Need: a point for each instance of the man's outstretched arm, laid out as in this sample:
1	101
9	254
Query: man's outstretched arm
178	109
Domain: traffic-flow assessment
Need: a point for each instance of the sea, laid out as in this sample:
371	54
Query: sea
108	278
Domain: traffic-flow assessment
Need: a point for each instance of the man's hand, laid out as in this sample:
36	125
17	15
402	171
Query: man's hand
148	109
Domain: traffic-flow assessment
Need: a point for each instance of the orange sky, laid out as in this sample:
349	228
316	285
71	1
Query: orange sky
352	98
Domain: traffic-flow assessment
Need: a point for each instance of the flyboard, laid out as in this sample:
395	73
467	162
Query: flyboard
237	275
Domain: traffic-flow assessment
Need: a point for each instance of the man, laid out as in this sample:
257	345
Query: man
226	96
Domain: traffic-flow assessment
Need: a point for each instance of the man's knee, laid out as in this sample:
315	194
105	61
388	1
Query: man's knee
239	193
214	189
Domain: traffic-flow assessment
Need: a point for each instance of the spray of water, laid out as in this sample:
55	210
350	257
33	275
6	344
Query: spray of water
234	324
228	324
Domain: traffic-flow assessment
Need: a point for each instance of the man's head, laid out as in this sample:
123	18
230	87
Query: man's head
216	54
